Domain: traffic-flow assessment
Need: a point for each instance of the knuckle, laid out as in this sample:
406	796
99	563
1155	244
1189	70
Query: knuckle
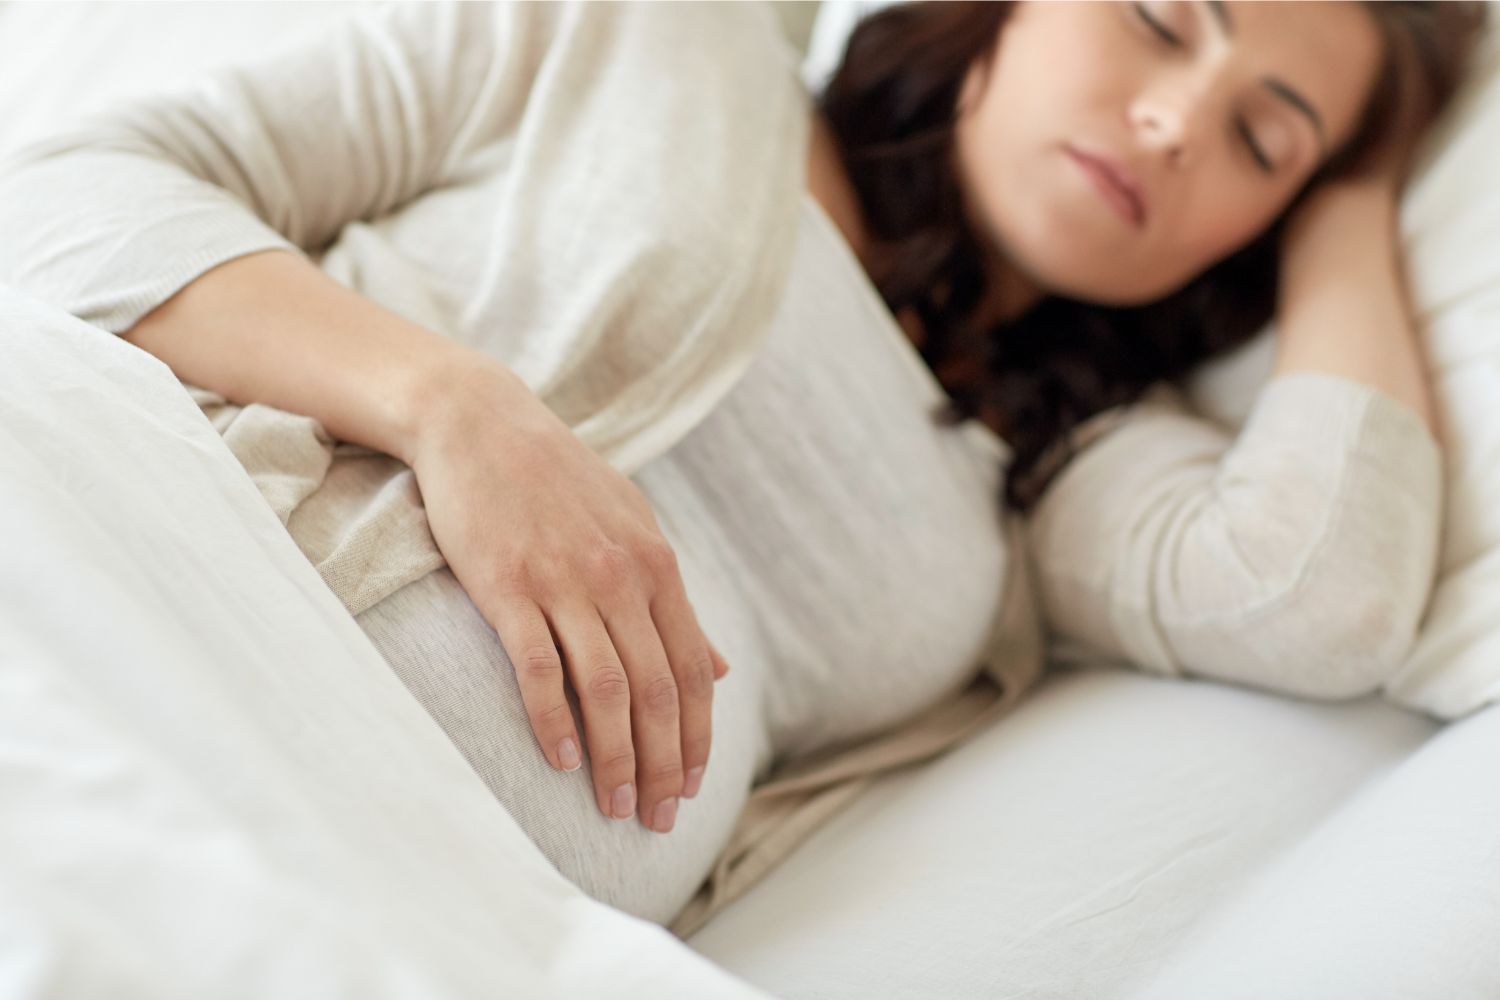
554	717
668	775
540	662
659	557
609	567
620	760
697	680
609	686
511	578
659	695
695	750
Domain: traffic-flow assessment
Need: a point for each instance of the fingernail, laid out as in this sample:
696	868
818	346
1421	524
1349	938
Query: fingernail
666	815
567	752
692	781
624	801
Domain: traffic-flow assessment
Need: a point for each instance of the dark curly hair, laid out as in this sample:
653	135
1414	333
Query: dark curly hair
891	106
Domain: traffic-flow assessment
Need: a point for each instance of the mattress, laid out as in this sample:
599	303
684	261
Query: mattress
1127	836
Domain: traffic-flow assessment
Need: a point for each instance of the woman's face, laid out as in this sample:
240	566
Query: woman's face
1219	111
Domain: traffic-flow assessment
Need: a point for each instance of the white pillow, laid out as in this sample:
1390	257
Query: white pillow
1450	224
1450	221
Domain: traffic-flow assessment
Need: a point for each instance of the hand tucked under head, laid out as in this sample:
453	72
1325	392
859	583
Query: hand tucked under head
1361	202
1390	161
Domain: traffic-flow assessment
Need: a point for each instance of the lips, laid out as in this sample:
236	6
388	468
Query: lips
1116	183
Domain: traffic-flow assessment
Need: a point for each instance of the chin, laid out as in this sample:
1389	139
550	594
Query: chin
1071	279
1030	240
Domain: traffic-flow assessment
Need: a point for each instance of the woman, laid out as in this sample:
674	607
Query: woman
1039	310
557	619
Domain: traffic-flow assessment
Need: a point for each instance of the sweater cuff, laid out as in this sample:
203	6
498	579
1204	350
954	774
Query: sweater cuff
167	261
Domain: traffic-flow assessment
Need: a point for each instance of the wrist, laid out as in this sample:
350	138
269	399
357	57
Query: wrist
449	395
1345	229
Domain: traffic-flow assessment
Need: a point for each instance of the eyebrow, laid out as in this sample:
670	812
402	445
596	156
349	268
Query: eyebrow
1277	86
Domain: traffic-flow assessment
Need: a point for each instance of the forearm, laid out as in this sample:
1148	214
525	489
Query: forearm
1295	554
272	328
1344	306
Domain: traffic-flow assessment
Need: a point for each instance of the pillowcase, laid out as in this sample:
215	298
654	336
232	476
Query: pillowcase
1450	225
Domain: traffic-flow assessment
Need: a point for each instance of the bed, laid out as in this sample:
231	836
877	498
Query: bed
185	808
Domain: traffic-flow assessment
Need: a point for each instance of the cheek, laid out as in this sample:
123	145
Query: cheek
1023	193
1213	232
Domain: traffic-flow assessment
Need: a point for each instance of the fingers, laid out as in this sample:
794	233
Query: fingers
720	666
694	663
653	712
604	696
527	639
644	675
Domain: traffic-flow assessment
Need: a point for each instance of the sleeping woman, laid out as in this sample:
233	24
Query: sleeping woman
950	295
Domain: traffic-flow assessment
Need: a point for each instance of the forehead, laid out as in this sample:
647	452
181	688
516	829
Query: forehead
1329	52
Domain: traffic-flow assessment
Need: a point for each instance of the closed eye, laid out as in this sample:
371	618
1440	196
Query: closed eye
1156	26
1172	40
1255	150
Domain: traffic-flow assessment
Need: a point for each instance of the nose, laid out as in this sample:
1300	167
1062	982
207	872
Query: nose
1167	116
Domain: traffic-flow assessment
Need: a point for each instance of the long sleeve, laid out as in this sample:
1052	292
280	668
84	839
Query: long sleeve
1296	556
604	197
111	216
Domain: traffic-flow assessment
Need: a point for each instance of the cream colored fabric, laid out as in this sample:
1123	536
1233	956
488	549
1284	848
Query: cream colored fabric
524	177
1297	555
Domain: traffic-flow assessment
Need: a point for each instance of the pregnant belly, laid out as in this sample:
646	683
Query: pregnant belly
453	663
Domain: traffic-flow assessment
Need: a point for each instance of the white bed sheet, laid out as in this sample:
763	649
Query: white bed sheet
1124	837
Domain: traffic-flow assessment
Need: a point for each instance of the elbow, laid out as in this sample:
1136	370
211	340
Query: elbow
1364	641
1339	629
1367	596
1338	645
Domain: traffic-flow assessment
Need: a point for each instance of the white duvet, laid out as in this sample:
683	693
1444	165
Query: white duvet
211	785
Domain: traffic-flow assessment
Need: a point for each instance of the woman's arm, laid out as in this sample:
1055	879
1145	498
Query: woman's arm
150	221
531	521
110	217
1299	555
272	328
1344	305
